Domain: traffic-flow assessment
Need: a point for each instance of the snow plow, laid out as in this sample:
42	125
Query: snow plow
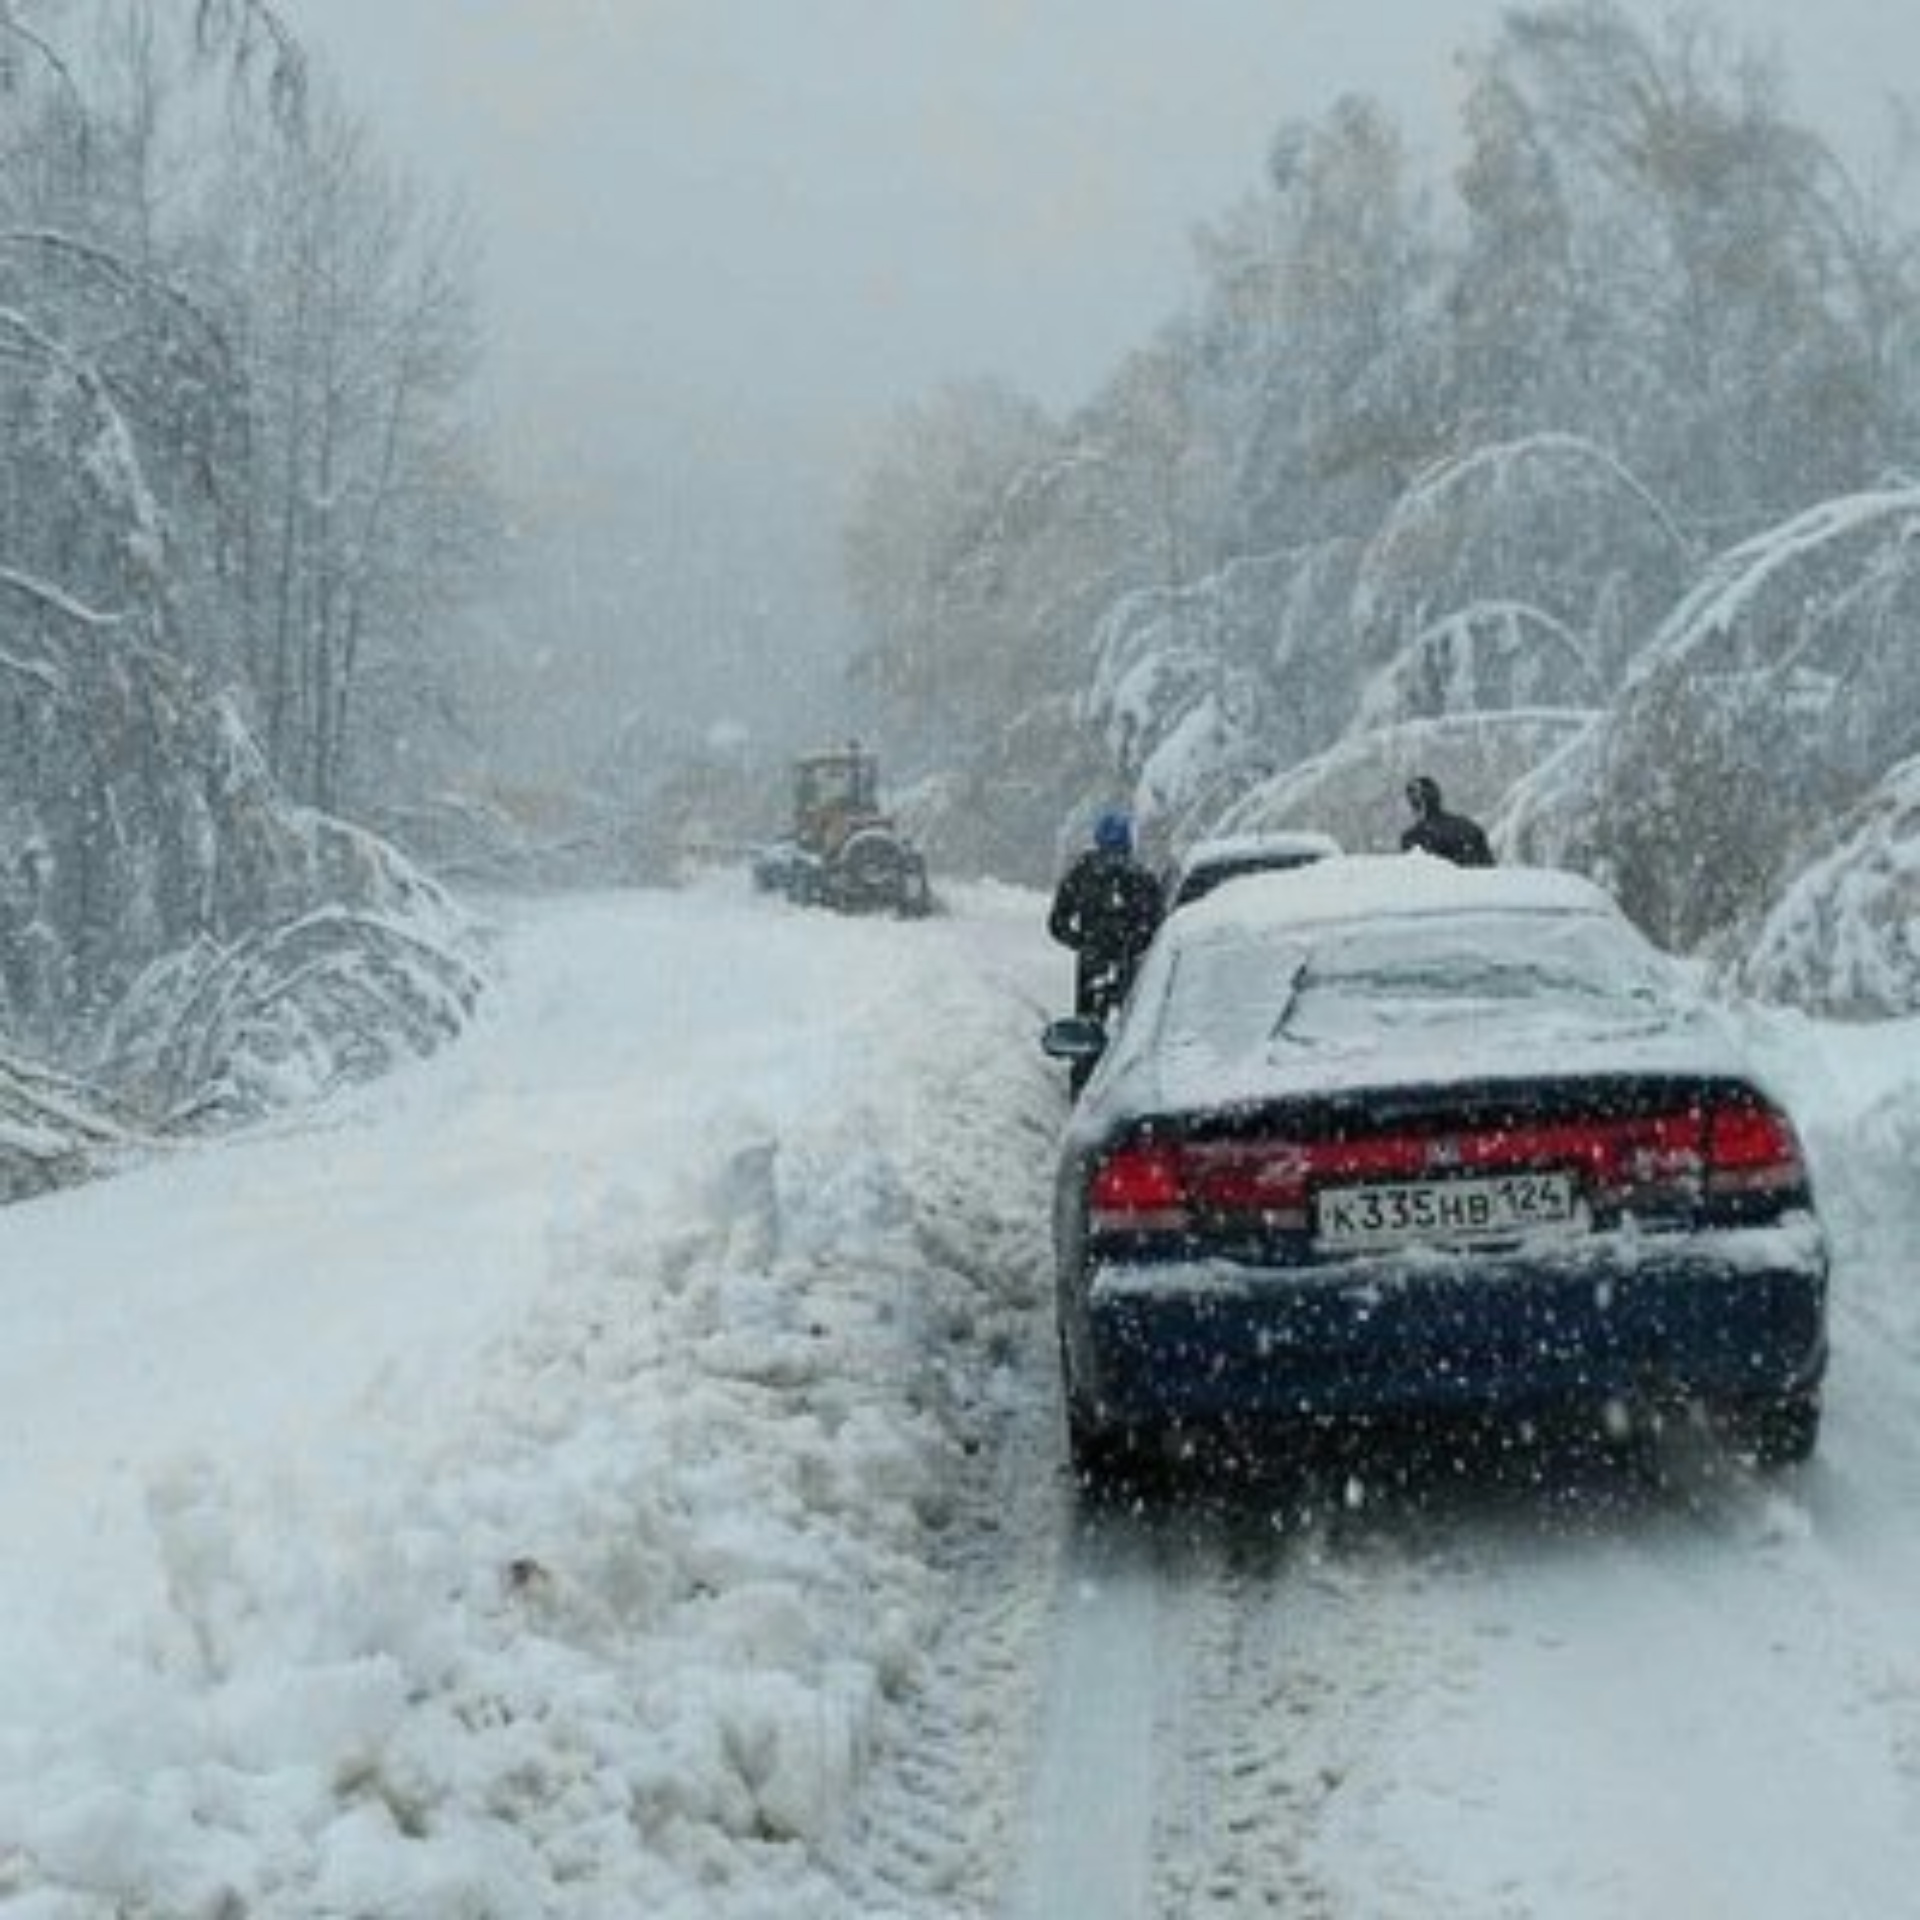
843	851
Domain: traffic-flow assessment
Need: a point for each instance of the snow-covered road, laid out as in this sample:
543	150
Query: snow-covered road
613	1469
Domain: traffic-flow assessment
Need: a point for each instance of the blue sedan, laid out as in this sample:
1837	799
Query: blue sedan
1384	1138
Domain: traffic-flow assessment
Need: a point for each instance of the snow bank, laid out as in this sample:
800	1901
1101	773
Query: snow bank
609	1619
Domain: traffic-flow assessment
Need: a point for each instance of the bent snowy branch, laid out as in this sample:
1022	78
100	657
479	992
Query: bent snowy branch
55	601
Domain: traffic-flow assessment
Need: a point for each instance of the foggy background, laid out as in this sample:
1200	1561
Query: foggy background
723	240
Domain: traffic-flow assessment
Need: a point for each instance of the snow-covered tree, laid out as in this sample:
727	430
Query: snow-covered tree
1317	333
367	512
1843	937
927	551
1551	526
1516	302
1356	788
1579	485
147	437
1730	294
1779	690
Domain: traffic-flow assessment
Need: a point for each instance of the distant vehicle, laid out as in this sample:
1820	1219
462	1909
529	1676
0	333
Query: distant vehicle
1391	1138
844	851
1230	856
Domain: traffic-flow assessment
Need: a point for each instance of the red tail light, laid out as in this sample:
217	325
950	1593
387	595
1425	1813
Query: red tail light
1138	1189
1752	1149
1255	1182
1162	1187
1633	1162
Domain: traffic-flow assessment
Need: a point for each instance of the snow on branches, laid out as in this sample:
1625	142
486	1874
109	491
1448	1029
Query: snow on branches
1844	937
1355	788
1554	524
1484	658
1779	690
287	1014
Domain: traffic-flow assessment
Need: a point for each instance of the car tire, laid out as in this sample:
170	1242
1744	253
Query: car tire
1781	1432
871	873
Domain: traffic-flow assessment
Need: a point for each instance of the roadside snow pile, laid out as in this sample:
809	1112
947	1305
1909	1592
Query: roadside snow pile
618	1631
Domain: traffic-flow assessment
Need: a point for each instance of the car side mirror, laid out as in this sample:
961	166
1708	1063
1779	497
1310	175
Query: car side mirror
1074	1038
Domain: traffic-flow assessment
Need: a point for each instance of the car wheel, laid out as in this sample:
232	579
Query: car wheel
1778	1433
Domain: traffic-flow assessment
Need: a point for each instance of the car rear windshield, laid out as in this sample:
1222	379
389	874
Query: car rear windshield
1202	880
1362	981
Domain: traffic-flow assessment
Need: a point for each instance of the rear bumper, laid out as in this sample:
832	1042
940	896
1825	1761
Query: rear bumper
1735	1316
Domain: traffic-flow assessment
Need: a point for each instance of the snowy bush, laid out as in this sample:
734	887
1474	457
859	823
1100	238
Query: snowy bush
286	1015
1486	658
172	924
1198	692
1844	938
1778	691
54	1131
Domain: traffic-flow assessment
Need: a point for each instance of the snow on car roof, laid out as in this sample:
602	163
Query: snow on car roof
1363	885
1251	846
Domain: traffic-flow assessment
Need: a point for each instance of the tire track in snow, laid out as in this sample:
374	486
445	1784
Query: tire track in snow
1227	1842
1216	1672
935	1830
1297	1659
1086	1846
939	1822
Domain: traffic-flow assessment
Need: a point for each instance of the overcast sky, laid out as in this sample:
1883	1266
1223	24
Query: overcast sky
784	207
752	227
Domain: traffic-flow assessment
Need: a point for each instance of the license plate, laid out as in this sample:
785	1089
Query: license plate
1496	1208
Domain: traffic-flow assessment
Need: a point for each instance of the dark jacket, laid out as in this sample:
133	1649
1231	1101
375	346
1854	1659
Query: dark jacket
1106	908
1451	836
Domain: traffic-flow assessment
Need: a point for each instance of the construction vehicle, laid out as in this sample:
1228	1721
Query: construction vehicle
844	851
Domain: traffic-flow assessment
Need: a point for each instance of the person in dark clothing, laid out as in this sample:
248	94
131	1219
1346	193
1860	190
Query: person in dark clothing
1106	908
1452	836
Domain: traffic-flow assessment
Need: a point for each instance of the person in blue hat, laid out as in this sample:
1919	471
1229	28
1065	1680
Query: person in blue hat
1106	909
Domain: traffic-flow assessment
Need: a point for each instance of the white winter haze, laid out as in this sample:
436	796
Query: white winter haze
725	239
